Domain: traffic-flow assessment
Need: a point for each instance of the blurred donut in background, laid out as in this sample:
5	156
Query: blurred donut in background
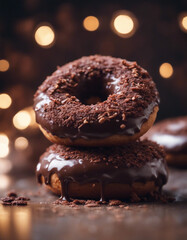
172	135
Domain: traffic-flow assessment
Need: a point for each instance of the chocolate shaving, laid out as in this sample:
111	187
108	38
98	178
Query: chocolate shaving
12	194
65	111
134	154
156	197
13	199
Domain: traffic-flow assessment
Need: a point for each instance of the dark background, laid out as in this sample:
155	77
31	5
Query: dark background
158	39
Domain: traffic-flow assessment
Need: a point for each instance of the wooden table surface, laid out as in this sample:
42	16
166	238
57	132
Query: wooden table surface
42	220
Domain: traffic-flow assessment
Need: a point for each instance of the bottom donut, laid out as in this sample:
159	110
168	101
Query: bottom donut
103	173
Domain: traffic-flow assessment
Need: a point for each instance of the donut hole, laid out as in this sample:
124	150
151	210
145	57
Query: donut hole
92	91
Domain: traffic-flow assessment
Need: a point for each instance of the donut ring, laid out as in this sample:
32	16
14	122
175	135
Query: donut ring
96	101
172	135
104	173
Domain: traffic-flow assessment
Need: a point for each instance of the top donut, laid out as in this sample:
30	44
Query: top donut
96	101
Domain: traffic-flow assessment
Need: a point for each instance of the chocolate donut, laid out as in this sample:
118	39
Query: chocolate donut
103	173
96	101
172	135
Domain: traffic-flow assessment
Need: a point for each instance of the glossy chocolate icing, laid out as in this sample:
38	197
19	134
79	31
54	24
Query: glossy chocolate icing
127	96
93	130
171	134
84	171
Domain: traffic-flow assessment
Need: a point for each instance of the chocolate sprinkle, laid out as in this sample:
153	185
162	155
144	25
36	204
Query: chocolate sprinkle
12	194
152	197
134	154
134	162
127	93
13	199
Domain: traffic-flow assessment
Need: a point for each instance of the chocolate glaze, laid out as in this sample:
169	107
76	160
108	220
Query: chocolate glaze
112	165
170	133
127	93
93	130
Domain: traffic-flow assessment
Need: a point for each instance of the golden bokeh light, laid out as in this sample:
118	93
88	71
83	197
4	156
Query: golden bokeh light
25	118
5	166
4	181
22	120
4	138
4	65
183	21
5	101
44	36
4	150
32	116
91	23
5	219
21	143
124	24
166	70
22	223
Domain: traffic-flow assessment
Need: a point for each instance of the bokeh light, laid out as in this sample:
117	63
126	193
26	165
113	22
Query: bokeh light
44	36
21	143
124	24
5	218
166	70
22	120
91	23
22	223
4	65
5	101
32	116
4	181
5	166
4	138
4	150
183	21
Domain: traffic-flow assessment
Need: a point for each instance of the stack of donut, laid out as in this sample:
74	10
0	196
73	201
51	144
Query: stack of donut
94	110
